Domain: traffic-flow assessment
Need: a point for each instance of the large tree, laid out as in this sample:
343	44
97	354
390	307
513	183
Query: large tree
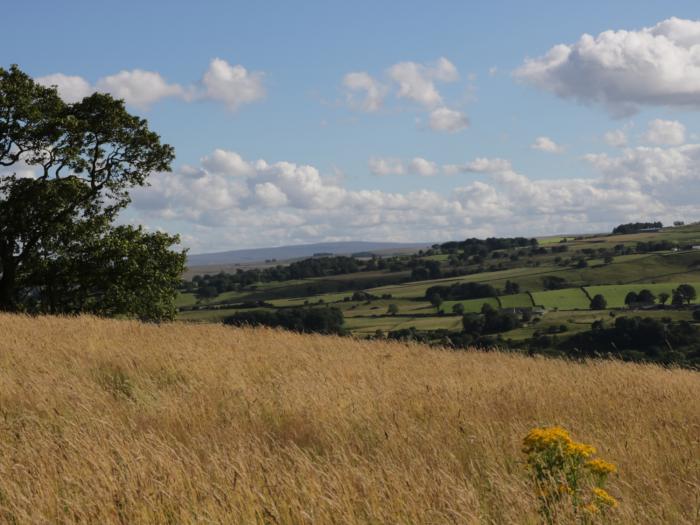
59	249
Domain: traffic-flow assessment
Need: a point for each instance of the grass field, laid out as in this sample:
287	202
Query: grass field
121	422
615	294
567	299
521	300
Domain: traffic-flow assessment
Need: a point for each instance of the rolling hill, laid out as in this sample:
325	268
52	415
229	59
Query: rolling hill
283	253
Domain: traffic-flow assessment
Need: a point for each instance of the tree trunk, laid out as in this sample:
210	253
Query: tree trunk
8	283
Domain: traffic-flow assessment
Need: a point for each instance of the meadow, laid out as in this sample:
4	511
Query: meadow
108	421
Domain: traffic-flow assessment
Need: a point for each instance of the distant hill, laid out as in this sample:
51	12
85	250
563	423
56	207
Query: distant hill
282	253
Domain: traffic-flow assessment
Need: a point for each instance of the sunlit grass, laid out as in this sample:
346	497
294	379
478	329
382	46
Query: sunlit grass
121	422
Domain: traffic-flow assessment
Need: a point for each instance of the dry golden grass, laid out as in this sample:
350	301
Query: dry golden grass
120	422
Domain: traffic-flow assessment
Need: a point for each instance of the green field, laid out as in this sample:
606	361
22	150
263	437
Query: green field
615	294
567	299
521	300
658	271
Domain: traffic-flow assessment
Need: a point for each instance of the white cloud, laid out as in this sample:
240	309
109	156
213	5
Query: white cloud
478	165
450	120
413	81
616	138
270	195
70	88
665	132
139	88
547	145
623	70
227	162
362	82
232	85
423	167
386	166
229	201
222	82
417	81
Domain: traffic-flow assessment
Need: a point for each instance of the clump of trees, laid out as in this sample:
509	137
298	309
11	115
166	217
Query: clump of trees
633	227
636	338
461	291
60	251
554	282
307	320
489	321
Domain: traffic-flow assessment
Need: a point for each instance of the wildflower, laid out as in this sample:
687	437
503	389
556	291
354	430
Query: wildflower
547	437
580	450
601	467
603	497
591	508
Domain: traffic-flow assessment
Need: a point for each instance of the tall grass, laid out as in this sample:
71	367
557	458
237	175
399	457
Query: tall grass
120	422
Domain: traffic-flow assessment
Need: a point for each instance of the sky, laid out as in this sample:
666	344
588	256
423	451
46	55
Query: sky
302	122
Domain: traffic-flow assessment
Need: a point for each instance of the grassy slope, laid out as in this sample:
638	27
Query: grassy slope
120	422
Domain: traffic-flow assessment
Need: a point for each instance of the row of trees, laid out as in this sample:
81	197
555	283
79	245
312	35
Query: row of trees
633	227
60	250
684	294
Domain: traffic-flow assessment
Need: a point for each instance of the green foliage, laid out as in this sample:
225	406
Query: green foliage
320	320
598	302
566	475
59	252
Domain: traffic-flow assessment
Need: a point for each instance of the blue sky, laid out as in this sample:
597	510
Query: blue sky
461	137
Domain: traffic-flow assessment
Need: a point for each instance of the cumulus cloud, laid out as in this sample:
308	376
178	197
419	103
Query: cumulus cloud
361	82
411	81
624	70
227	200
234	86
417	81
547	145
386	166
139	88
423	167
665	132
616	138
70	88
450	120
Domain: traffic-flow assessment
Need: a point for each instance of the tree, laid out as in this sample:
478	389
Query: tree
687	292
458	308
512	288
598	302
631	299
646	297
59	249
664	297
436	301
393	309
677	299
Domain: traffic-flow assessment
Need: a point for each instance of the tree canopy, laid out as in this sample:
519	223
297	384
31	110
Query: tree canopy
60	251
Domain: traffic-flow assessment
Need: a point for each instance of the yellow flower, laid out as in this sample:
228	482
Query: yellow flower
580	449
539	439
600	466
591	508
604	498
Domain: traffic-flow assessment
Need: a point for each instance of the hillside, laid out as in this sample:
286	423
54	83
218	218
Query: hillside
547	283
121	422
281	253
